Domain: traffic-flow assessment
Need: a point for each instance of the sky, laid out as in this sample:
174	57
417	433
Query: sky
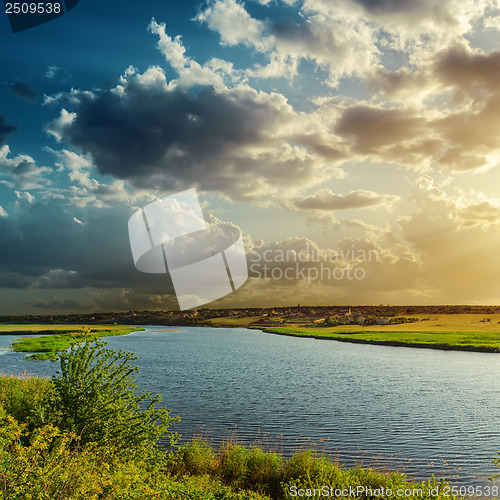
353	143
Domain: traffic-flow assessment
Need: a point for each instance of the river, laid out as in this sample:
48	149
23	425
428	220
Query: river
419	411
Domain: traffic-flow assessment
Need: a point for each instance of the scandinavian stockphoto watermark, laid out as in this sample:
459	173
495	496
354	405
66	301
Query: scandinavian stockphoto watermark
311	264
171	235
207	261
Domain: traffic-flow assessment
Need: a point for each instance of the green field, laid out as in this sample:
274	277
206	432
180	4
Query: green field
19	329
231	322
59	337
466	332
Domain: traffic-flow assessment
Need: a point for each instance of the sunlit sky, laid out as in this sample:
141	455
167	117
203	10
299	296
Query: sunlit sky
309	125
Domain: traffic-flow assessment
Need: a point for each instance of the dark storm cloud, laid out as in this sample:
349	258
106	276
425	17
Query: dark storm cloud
149	132
230	140
24	90
5	130
45	248
57	303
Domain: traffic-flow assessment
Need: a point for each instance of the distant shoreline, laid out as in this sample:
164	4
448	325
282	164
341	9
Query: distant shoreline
448	330
390	343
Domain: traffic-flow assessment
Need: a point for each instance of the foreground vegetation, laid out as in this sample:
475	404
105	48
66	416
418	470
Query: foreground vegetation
87	434
48	346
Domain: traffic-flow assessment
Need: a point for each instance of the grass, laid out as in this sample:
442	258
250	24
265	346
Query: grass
43	356
47	347
22	396
445	332
26	387
231	322
273	476
18	329
43	462
469	332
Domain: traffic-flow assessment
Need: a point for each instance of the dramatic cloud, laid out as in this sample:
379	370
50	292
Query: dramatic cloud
394	135
372	128
283	99
233	141
468	70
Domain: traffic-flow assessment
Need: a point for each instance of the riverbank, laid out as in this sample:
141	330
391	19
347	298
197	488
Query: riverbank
461	328
459	332
58	338
444	341
62	467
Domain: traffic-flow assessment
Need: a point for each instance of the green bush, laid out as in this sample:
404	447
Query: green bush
94	397
54	465
25	398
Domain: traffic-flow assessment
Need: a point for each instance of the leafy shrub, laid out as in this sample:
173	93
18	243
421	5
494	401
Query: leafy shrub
25	398
55	466
94	398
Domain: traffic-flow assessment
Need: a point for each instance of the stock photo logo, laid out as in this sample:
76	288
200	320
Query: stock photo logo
205	262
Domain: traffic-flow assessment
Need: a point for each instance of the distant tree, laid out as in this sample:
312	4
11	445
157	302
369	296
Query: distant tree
331	321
